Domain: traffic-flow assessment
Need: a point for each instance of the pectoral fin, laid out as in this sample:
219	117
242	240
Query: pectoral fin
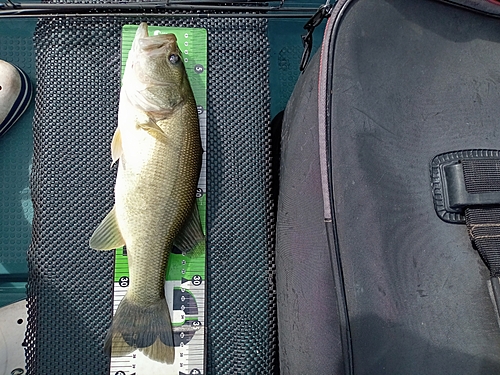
192	232
116	146
107	235
152	128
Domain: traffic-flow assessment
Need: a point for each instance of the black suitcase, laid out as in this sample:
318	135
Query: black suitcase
390	159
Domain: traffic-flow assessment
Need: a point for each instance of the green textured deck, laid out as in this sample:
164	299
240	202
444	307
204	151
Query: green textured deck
16	151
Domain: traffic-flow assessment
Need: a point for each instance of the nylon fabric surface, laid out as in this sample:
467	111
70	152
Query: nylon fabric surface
489	6
70	286
304	281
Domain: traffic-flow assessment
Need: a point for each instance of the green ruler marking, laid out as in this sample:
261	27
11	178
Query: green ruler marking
185	276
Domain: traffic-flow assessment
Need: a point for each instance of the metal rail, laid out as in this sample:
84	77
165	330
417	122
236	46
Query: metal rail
194	9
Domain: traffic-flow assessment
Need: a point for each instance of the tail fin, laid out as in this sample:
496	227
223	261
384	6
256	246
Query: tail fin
144	327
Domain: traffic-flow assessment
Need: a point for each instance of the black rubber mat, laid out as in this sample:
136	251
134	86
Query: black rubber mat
70	286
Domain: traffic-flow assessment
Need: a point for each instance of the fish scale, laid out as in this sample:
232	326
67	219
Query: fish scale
178	198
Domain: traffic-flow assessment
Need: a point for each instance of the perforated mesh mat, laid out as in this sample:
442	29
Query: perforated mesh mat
70	286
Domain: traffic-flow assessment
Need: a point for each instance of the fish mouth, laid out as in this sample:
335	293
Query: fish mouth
161	43
143	36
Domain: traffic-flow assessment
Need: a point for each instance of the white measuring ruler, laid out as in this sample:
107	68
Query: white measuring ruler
186	302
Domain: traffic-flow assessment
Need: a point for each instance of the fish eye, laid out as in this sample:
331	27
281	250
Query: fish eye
174	58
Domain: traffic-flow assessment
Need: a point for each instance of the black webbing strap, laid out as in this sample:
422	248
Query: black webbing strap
466	189
482	180
483	225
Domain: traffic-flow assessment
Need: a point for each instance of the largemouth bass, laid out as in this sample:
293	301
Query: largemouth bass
158	146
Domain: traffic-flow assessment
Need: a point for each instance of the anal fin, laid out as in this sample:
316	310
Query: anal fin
192	232
107	235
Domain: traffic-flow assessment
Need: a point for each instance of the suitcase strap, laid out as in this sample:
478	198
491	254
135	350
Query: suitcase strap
466	189
481	179
483	225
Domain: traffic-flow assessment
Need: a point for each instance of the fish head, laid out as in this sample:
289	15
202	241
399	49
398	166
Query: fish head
155	78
